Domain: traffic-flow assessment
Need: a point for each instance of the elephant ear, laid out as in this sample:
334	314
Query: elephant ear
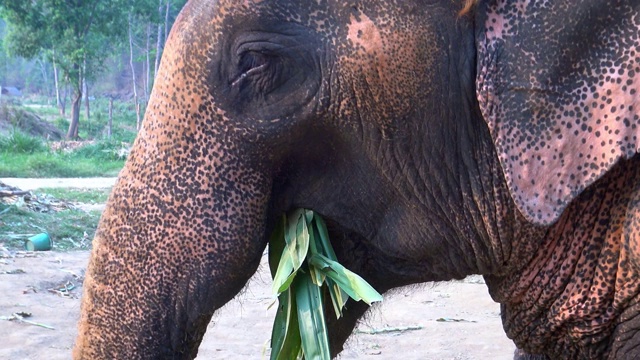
558	85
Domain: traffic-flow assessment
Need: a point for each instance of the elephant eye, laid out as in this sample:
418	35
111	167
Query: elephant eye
258	73
266	74
251	63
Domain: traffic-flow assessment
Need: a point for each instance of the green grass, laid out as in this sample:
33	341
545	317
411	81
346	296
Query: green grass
66	228
61	123
43	110
22	155
124	119
43	165
20	143
25	156
96	196
103	150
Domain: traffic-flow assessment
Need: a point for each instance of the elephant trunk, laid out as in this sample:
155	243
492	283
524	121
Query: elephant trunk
182	233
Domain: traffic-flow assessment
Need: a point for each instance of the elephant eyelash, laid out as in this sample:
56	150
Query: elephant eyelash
247	73
251	63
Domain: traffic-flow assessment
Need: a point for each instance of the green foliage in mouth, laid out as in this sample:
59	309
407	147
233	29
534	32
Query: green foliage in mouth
304	268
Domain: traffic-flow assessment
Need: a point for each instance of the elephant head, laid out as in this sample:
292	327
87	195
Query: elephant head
438	139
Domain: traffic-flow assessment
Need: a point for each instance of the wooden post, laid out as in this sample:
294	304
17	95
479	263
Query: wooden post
110	124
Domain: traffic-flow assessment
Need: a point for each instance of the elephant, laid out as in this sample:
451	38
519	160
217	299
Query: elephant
437	138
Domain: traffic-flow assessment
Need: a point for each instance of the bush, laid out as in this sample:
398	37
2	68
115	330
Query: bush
55	165
123	135
62	124
102	150
20	143
49	166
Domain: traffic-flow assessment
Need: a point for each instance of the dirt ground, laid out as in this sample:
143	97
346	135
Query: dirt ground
84	183
453	320
35	284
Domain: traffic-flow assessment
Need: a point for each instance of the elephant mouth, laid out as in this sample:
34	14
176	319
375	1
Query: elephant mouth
343	239
351	248
349	245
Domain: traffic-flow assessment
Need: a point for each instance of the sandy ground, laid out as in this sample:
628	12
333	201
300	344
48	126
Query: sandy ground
85	183
241	329
453	320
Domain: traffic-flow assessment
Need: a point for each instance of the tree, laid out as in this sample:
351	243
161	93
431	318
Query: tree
72	34
144	15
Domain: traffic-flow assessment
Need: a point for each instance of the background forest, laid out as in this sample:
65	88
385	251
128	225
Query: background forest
72	54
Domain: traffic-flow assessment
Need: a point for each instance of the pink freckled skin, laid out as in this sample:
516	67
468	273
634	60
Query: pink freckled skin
501	142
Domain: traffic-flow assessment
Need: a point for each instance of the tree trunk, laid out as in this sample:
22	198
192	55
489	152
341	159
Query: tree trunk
75	107
138	116
166	21
56	81
63	100
75	116
87	106
159	43
77	127
158	52
85	88
45	78
148	69
133	77
110	123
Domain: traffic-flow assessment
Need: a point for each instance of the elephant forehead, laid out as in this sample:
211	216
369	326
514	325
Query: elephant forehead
362	32
393	63
558	85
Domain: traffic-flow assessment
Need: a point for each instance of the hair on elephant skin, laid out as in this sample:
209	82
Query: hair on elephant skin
521	355
438	138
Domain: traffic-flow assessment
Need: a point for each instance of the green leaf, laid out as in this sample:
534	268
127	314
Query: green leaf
317	277
295	251
324	244
355	286
285	336
286	283
336	294
311	321
284	274
320	244
297	238
276	246
301	239
308	214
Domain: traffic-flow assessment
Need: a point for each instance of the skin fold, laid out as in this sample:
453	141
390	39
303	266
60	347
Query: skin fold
498	141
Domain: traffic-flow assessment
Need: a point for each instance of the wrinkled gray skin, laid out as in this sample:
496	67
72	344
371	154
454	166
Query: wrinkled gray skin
500	142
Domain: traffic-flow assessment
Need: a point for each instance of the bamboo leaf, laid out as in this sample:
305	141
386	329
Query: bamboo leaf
295	251
309	216
355	286
314	241
276	246
336	294
324	244
302	239
311	321
299	328
317	276
279	329
285	274
287	282
285	338
298	238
